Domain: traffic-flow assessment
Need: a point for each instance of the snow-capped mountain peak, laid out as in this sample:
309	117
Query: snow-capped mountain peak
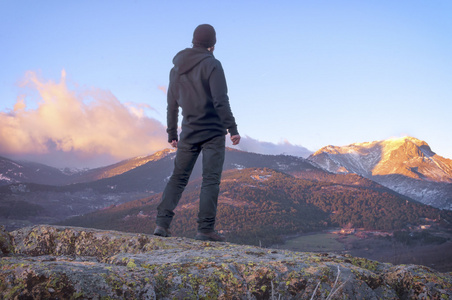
407	158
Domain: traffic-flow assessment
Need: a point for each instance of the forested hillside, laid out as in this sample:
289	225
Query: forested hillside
261	206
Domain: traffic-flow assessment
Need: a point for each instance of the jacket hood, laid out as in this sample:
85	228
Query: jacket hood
188	58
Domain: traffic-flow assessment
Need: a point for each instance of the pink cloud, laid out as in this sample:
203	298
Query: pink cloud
91	125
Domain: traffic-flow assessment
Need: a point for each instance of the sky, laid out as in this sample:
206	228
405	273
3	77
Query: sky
83	83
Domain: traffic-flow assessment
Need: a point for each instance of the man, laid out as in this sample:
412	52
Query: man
198	86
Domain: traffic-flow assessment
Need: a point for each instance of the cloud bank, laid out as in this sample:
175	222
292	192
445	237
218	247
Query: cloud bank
252	145
73	127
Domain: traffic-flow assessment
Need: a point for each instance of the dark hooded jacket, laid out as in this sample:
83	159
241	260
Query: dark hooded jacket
198	86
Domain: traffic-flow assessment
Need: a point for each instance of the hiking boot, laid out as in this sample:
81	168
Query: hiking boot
210	236
160	231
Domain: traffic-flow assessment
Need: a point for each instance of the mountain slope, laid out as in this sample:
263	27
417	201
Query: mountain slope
119	168
262	205
406	165
30	172
16	172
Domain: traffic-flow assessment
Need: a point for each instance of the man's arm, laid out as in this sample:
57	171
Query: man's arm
172	114
219	90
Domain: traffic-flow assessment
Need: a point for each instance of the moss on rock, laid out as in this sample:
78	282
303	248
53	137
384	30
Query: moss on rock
79	263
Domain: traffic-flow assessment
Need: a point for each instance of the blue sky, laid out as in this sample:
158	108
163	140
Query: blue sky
300	73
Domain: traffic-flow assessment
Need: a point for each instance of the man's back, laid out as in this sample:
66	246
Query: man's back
198	86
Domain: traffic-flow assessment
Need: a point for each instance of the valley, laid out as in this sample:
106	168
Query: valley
431	248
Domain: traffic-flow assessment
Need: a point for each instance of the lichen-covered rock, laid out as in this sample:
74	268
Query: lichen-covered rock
5	242
51	262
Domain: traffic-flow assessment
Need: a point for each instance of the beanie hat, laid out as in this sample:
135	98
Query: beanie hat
204	36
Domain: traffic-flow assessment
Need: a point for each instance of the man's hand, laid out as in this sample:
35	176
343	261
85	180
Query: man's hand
174	144
235	139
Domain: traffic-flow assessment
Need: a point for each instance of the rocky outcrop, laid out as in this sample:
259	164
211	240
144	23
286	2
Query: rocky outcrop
51	262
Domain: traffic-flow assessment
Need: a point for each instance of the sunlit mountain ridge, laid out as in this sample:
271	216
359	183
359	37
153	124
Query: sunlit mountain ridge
406	165
405	156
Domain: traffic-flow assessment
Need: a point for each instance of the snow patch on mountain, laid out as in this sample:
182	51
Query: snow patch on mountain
238	166
6	179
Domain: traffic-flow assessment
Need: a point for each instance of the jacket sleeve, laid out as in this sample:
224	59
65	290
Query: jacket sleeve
219	90
172	111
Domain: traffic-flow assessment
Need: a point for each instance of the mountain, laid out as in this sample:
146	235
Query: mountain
23	202
406	156
17	172
30	172
159	165
54	262
406	165
261	206
149	174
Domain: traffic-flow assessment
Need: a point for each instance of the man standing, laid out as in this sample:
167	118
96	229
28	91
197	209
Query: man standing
198	86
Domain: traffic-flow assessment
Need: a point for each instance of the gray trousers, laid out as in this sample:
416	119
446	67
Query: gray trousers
213	152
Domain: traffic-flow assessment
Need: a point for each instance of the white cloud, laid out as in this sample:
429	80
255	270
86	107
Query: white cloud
252	145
